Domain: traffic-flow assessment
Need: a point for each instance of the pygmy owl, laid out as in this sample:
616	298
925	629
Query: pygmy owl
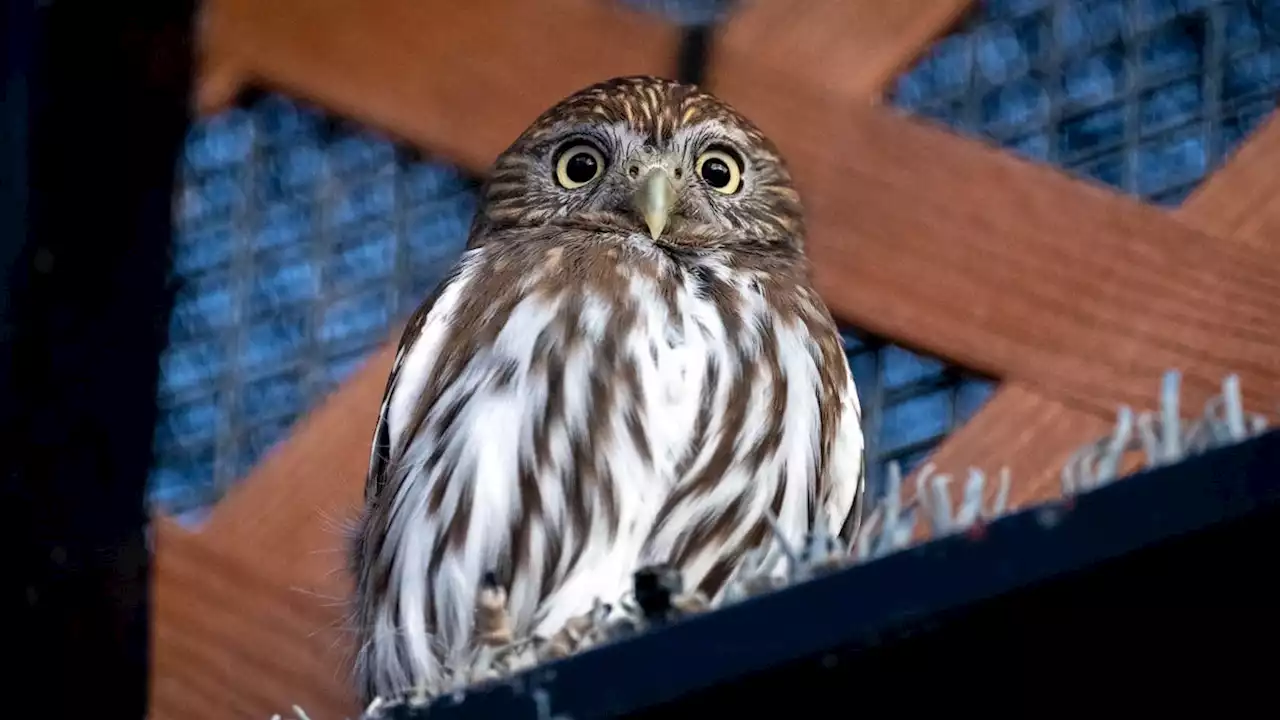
628	365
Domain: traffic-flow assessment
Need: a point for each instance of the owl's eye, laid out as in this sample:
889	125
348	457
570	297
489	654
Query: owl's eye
721	170
578	165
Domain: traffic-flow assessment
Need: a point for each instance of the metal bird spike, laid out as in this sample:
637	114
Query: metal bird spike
935	497
892	524
1096	463
1225	420
794	562
823	550
747	578
1163	437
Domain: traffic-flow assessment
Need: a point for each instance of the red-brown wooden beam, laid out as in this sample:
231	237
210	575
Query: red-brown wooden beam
842	48
1239	204
230	640
1242	201
461	79
1068	398
1011	267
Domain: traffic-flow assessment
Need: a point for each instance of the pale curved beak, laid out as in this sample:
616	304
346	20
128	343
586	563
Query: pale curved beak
653	199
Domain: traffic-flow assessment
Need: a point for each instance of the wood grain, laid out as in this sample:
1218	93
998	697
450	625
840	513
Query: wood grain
291	513
1021	429
1242	200
231	641
1240	203
461	79
1016	270
843	48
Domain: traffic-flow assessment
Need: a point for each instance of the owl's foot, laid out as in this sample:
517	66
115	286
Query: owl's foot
421	693
493	622
577	634
690	603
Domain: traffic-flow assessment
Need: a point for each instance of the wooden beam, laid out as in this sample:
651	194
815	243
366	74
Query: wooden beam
862	237
230	641
1239	203
291	513
459	79
1021	429
845	48
1242	200
1016	270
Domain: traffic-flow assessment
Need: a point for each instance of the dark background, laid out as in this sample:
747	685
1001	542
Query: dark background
95	110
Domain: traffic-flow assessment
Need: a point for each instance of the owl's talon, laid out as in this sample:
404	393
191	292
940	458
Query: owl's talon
691	603
421	693
493	623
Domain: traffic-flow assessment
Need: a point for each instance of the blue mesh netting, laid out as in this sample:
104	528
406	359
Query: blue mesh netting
299	242
684	12
1147	96
910	402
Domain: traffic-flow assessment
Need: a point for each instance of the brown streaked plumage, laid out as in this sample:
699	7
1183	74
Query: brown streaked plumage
628	365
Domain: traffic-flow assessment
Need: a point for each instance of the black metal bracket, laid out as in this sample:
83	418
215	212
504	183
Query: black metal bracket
694	53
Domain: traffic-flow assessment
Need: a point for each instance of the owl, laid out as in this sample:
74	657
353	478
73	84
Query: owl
628	365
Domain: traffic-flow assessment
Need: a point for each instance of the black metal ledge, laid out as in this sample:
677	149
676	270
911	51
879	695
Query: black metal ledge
1161	582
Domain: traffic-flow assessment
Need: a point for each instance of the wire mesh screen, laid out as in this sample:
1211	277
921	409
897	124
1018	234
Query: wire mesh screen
299	242
1147	96
684	12
910	402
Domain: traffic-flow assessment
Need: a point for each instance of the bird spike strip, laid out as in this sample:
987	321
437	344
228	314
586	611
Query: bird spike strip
1163	437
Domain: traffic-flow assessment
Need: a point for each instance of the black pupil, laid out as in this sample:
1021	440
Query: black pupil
716	172
581	167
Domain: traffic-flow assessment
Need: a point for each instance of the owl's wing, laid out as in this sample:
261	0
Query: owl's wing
380	453
847	469
501	447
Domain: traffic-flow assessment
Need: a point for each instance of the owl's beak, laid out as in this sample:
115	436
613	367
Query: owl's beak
654	199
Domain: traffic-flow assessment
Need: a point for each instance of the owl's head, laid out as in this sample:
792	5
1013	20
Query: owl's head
646	155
